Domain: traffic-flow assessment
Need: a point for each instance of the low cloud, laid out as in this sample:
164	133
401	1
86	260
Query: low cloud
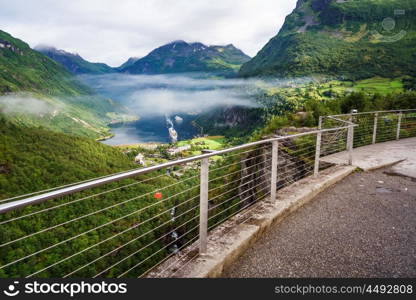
24	104
180	93
150	95
157	102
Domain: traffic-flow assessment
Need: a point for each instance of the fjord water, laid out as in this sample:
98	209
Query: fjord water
152	129
163	101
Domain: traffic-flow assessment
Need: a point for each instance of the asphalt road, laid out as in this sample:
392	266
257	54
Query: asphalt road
365	226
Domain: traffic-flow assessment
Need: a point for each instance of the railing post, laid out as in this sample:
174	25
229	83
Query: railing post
350	143
350	139
318	148
203	206
375	128
273	181
399	124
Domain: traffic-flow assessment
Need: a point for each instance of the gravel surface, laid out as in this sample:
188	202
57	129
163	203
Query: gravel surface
362	227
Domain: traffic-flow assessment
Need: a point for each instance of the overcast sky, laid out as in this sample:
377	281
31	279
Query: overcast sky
111	31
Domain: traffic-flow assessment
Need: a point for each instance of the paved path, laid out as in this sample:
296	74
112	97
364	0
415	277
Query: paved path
362	227
374	156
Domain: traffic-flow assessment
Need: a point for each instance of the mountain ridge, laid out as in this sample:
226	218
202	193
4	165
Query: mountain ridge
347	39
73	62
26	69
179	56
128	62
37	91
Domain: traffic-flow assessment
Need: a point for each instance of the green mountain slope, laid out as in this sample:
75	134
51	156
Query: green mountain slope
32	159
180	56
351	39
22	69
37	91
73	62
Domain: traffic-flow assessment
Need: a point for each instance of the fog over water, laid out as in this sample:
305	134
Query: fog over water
167	94
160	101
156	99
179	97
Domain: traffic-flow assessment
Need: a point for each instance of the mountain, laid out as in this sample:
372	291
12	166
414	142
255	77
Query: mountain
22	69
73	62
347	39
128	63
32	159
37	91
180	56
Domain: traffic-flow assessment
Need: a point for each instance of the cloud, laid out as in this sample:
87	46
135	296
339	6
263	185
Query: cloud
24	104
157	102
112	31
149	95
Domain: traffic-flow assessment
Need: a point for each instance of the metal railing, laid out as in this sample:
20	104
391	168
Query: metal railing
125	224
378	126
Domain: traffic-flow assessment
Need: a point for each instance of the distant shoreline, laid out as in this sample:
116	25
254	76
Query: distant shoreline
104	138
148	145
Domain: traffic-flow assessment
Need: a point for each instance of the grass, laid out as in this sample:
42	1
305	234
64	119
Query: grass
209	142
374	85
218	63
379	85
